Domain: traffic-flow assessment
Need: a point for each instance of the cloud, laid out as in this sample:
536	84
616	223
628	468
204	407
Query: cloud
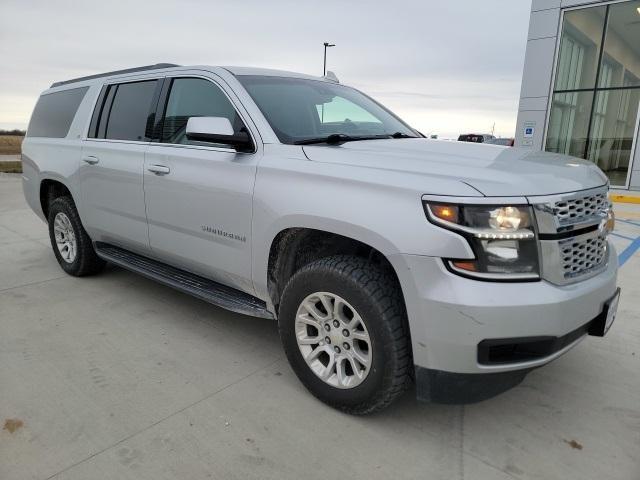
427	59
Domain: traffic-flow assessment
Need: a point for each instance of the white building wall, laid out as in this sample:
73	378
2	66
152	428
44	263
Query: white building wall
537	78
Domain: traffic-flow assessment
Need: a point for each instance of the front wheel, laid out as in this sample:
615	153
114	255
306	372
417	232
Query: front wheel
342	322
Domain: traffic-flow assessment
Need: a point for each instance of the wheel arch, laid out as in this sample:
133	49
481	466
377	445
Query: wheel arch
50	189
294	247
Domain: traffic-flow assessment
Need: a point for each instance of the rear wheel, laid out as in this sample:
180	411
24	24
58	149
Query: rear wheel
343	326
71	244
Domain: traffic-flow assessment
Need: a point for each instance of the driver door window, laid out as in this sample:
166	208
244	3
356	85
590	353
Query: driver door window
195	97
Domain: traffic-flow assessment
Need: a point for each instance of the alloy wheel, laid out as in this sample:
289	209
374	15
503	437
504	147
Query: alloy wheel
333	340
65	237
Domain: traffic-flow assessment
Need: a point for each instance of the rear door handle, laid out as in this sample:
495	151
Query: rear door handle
90	159
159	169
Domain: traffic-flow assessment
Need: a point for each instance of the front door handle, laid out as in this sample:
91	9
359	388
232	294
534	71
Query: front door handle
90	159
159	169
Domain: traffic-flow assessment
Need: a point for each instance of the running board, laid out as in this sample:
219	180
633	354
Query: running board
199	287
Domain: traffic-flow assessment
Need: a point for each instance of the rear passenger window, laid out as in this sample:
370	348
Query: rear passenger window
130	112
54	113
195	97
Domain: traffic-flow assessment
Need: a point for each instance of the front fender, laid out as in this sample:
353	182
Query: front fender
380	209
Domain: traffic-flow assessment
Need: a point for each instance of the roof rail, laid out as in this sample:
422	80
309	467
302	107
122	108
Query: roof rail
116	72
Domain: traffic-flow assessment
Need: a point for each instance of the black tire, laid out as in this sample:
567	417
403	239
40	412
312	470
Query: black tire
375	295
86	261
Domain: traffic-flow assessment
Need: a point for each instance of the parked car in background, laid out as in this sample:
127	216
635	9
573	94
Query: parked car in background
475	137
505	142
385	257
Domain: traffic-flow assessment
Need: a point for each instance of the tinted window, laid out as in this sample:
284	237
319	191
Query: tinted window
102	122
471	138
194	97
130	111
54	113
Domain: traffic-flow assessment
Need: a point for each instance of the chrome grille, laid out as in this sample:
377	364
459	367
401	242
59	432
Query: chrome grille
573	243
578	209
579	257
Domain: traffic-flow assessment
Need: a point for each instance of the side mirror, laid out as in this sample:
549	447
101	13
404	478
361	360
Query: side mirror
218	130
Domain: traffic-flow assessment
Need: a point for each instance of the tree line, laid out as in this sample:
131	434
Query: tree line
15	132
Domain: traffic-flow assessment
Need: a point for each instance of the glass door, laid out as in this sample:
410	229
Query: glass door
635	149
596	96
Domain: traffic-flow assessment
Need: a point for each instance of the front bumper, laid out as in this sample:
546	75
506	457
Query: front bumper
449	316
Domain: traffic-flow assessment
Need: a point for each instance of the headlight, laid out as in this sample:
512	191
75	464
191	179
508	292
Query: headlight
501	236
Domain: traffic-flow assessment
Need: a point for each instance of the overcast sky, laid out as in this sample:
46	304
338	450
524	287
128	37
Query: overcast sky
445	66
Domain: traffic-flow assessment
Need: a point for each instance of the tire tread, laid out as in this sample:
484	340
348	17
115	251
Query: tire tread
87	261
382	288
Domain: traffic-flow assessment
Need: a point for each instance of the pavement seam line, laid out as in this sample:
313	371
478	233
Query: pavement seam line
490	465
629	222
17	233
177	412
32	283
622	236
461	442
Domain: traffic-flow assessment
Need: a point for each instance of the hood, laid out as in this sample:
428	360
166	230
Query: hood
492	170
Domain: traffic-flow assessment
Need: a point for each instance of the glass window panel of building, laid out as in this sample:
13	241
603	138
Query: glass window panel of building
622	45
580	48
613	126
569	123
594	110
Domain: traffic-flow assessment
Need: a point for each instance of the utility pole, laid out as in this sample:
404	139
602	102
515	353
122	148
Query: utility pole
324	68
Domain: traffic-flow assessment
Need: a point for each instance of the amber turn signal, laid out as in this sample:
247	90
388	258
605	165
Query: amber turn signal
468	265
448	213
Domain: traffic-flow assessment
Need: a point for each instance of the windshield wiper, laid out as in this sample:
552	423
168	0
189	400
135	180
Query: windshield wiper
401	135
338	138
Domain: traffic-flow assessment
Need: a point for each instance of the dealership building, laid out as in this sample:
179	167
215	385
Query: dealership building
581	84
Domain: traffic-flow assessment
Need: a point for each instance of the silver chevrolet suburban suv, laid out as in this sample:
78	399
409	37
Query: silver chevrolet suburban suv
386	258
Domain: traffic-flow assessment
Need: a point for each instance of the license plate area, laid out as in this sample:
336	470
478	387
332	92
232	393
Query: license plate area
601	325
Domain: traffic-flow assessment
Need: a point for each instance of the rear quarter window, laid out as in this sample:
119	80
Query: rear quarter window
54	113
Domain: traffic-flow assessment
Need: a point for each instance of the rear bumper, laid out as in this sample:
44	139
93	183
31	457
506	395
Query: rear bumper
450	316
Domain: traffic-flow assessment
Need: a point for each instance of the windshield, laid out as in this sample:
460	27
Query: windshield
300	109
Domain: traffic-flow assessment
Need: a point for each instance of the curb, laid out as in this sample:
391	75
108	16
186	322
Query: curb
621	198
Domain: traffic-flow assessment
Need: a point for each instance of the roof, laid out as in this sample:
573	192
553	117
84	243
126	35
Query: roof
158	66
116	72
268	72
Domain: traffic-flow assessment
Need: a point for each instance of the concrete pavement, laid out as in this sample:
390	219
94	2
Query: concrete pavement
116	377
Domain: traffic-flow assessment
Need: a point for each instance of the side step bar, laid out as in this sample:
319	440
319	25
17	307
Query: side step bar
200	287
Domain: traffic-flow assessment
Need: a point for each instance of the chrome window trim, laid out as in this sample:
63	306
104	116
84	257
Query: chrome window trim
172	73
169	145
115	140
